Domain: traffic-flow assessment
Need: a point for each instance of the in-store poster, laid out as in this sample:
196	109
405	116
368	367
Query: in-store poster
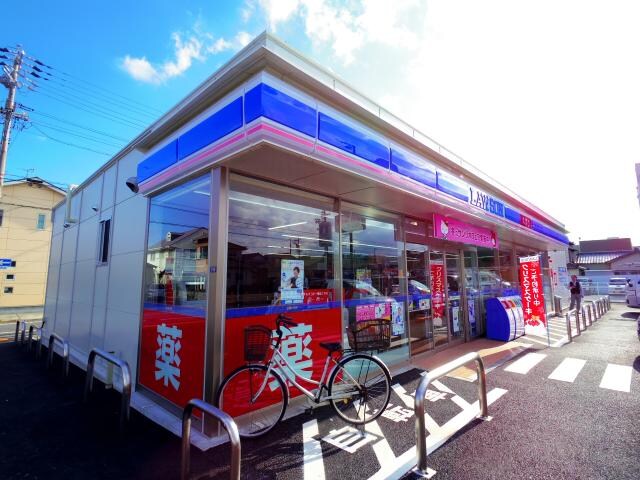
397	318
292	281
363	275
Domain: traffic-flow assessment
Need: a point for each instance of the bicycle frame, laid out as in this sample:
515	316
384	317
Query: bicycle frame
289	374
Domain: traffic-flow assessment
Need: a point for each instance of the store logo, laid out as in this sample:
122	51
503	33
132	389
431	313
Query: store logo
486	202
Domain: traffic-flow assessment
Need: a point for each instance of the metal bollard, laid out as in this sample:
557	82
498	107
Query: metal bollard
557	305
567	317
589	313
65	352
227	423
584	318
419	406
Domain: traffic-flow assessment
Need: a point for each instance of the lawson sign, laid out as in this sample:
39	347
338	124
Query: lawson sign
486	202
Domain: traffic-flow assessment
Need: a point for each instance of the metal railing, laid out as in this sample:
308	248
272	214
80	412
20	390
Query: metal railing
589	314
18	330
54	337
421	432
228	424
30	337
567	317
126	380
594	306
583	314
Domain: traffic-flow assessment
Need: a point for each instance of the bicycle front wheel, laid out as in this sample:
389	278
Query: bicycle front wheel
359	387
256	402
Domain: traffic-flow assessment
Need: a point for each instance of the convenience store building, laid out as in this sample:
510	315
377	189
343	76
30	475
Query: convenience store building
275	187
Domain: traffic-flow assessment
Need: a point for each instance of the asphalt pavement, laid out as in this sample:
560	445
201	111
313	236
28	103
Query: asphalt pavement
583	422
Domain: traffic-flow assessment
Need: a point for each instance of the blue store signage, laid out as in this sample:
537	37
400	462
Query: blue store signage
485	202
5	262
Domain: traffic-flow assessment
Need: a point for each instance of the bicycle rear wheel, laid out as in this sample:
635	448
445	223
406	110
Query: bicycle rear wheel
361	385
254	415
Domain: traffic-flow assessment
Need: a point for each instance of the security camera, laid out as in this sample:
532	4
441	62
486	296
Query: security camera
132	183
66	225
95	208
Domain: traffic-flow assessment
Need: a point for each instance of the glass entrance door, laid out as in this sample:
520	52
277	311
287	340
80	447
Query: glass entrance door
419	299
474	306
454	295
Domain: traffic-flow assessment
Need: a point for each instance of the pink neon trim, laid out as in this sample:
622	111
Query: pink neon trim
282	133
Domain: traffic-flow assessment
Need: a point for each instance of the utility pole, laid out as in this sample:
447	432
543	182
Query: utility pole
9	80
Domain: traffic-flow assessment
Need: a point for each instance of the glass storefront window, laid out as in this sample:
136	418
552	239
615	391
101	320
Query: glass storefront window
419	287
372	272
508	271
282	258
175	292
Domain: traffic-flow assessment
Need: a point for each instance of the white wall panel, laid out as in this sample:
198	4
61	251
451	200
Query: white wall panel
108	187
91	198
79	334
50	309
88	240
69	244
125	283
56	249
58	218
97	327
127	167
122	337
83	289
129	226
100	289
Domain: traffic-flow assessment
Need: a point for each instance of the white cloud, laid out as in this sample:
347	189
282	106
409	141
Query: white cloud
279	11
243	39
196	47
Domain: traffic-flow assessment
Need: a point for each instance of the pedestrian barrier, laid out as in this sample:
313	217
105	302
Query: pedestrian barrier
421	432
54	337
30	338
595	310
126	380
589	313
567	317
228	424
583	314
18	330
557	305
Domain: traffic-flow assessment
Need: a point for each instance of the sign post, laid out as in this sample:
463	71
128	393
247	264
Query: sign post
532	293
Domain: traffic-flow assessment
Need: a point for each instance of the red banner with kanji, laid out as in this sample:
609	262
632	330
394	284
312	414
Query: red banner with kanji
531	291
437	289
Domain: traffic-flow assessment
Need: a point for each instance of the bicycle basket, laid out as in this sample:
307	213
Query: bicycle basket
370	335
257	340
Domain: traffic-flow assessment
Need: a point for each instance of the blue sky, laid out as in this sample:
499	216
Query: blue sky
543	97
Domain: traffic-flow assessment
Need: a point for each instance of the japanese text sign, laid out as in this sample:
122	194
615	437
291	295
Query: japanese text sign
532	294
437	289
457	231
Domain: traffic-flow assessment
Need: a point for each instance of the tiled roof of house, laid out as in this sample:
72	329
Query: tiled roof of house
591	258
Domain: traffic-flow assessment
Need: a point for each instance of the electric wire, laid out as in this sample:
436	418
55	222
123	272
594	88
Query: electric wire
76	79
75	134
71	144
98	107
77	125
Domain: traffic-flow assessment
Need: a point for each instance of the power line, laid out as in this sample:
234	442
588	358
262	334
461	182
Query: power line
113	118
74	134
92	85
71	144
62	120
97	107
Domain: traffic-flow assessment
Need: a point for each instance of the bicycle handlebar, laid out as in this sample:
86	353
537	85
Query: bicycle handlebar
286	321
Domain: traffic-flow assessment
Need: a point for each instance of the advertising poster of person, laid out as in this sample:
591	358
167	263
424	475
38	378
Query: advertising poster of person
292	281
363	275
455	317
397	318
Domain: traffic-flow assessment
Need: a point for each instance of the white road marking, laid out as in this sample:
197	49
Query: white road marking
408	459
568	370
409	401
442	387
313	462
617	377
348	439
381	448
526	363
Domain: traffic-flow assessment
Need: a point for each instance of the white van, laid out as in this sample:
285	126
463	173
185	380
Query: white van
617	285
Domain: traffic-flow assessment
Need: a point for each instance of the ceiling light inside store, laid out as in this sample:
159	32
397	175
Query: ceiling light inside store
288	225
